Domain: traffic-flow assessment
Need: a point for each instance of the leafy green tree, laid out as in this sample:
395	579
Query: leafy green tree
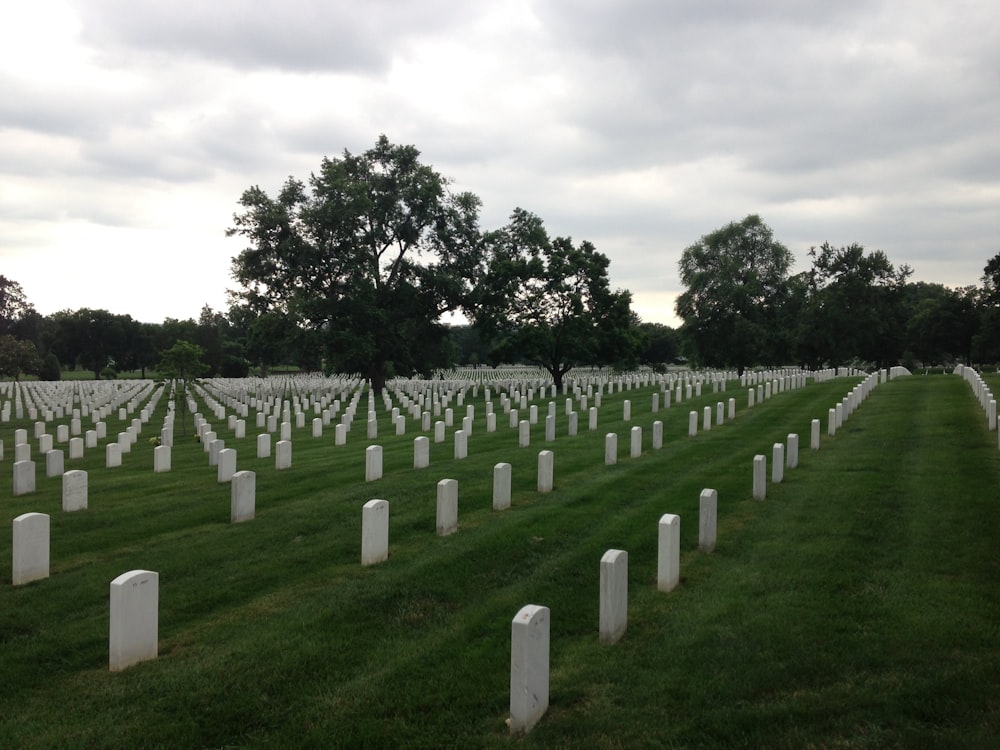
370	255
49	368
182	363
736	281
660	344
986	340
856	305
549	302
17	356
14	306
941	322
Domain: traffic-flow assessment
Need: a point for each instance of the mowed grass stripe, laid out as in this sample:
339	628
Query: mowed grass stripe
295	644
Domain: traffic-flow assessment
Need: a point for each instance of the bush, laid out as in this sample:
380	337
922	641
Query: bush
50	368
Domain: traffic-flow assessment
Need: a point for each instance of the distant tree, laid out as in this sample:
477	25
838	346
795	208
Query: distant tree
49	368
660	344
14	306
736	281
369	256
549	302
17	357
941	322
986	340
467	345
856	305
94	339
183	364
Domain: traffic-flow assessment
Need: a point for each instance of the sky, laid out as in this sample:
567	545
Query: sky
130	128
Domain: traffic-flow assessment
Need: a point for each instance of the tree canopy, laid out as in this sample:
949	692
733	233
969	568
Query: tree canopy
737	284
371	253
549	301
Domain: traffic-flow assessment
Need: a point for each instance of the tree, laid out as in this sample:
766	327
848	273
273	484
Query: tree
856	305
549	302
660	344
941	322
371	255
737	283
14	305
986	341
17	356
183	363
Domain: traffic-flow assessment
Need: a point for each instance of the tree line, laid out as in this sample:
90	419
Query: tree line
354	269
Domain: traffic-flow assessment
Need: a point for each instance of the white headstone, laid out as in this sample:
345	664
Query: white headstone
657	435
461	444
74	490
135	615
614	596
24	478
814	435
264	445
373	463
54	463
447	506
226	465
792	455
611	449
243	496
546	467
30	551
374	532
759	477
283	455
708	509
529	667
635	445
421	452
501	486
668	559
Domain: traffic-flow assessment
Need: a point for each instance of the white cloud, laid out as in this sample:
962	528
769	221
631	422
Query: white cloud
131	127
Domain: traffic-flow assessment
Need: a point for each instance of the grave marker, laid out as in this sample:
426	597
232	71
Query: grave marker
134	627
501	486
74	490
708	507
30	549
374	532
529	667
447	506
243	497
668	558
614	596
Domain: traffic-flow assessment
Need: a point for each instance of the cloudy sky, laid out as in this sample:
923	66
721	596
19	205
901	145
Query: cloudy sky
129	128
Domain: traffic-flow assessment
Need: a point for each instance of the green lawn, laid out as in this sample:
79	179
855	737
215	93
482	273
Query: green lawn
857	607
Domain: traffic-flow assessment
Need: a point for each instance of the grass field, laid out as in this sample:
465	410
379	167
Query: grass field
858	606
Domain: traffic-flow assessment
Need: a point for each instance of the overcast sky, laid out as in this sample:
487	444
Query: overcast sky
130	128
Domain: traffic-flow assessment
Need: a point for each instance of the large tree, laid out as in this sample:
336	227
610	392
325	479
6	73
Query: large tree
549	302
737	285
371	253
14	306
856	306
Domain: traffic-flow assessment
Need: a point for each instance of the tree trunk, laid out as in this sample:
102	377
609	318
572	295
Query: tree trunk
376	378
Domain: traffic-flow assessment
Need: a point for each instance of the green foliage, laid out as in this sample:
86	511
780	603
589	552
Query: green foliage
549	302
370	255
17	357
50	368
736	281
856	307
182	361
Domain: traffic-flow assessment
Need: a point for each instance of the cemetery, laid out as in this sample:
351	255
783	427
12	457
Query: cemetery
781	558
